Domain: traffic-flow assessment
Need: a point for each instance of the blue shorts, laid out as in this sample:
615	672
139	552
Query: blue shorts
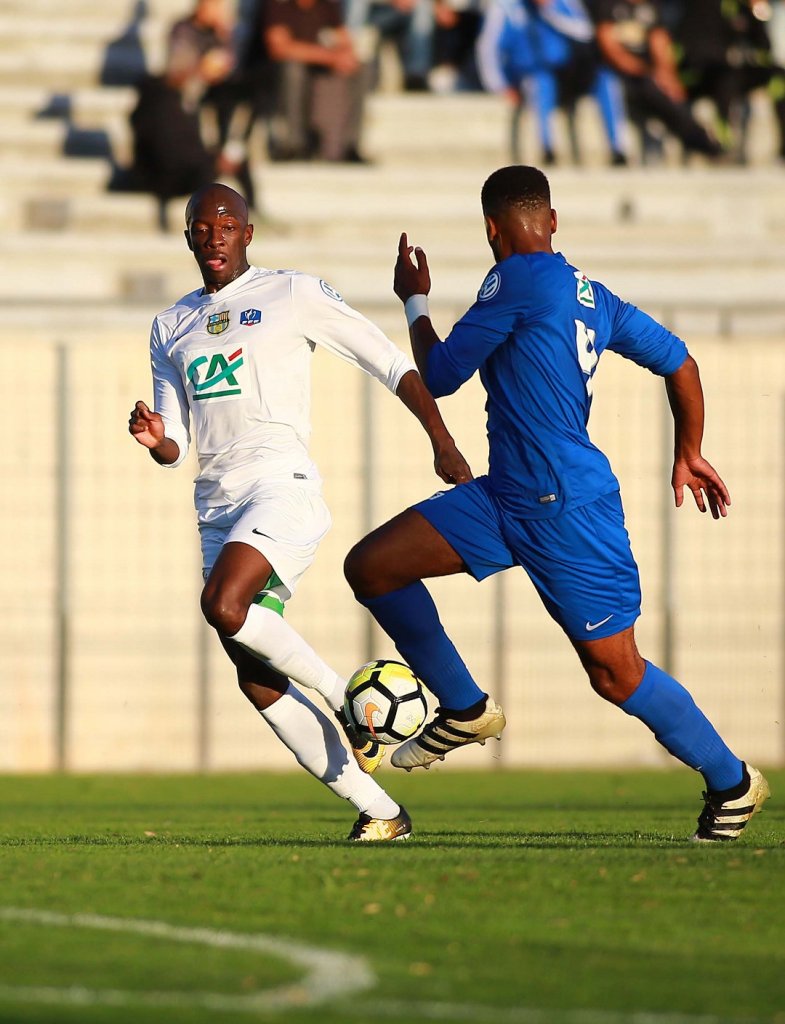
580	561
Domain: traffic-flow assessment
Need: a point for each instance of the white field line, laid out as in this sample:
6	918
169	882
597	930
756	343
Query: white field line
328	975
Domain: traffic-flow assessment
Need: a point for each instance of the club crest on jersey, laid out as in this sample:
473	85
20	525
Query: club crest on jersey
218	322
330	291
490	286
585	290
250	317
215	375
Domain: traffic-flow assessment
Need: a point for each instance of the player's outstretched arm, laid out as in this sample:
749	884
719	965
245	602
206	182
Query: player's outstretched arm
412	280
690	469
448	462
147	428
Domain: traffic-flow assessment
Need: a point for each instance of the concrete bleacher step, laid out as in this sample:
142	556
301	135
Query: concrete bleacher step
663	207
134	264
723	200
689	235
58	24
45	178
123	12
92	105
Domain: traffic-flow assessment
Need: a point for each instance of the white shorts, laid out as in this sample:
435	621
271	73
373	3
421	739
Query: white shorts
284	522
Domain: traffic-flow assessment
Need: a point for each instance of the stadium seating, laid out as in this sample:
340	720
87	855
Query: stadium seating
60	126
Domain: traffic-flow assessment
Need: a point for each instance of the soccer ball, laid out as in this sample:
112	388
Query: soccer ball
385	701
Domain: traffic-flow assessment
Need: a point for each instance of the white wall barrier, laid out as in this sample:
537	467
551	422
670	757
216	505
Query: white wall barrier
106	665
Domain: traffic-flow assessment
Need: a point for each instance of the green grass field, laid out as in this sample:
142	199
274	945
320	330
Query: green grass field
525	898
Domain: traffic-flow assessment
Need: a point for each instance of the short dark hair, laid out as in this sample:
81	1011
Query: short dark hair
515	187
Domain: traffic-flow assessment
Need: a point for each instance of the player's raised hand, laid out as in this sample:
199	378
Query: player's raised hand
703	480
145	426
410	278
450	465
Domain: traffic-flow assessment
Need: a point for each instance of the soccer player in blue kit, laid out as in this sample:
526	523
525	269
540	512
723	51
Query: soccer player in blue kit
549	502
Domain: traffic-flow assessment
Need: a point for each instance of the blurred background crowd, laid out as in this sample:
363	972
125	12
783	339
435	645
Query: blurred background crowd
304	68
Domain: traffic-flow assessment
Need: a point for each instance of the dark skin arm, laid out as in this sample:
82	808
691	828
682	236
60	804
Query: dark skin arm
411	279
147	428
339	57
619	58
664	70
448	462
690	469
415	279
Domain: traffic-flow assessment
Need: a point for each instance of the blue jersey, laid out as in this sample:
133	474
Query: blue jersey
536	333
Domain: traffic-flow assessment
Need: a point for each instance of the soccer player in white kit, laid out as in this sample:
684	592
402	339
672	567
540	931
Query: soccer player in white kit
231	367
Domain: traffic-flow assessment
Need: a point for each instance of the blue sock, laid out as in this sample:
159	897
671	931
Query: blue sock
409	617
682	728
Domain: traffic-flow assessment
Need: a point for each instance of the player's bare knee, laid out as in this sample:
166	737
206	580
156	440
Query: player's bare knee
612	686
222	612
355	569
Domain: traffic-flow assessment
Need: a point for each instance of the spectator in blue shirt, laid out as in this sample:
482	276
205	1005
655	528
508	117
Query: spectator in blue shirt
544	52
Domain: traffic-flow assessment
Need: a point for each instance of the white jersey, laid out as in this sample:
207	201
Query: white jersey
234	366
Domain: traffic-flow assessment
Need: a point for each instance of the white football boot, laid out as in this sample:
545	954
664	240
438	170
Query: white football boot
724	819
443	734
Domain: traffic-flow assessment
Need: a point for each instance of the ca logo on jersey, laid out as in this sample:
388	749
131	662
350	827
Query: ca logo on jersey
585	293
215	375
218	322
490	286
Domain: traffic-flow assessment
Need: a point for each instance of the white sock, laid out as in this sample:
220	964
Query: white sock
315	742
265	634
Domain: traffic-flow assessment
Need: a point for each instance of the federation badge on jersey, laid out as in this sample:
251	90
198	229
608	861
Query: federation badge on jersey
218	322
585	291
250	317
330	291
490	286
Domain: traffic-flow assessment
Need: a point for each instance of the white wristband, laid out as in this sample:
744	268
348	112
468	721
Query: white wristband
415	307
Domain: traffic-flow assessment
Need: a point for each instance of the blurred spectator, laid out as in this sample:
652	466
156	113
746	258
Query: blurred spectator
458	24
170	157
727	54
409	24
322	83
634	42
201	47
248	92
203	56
543	51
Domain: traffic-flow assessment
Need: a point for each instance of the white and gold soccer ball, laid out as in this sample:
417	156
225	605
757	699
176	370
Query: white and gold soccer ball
385	701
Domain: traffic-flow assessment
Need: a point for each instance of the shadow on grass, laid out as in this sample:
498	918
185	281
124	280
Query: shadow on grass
423	840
